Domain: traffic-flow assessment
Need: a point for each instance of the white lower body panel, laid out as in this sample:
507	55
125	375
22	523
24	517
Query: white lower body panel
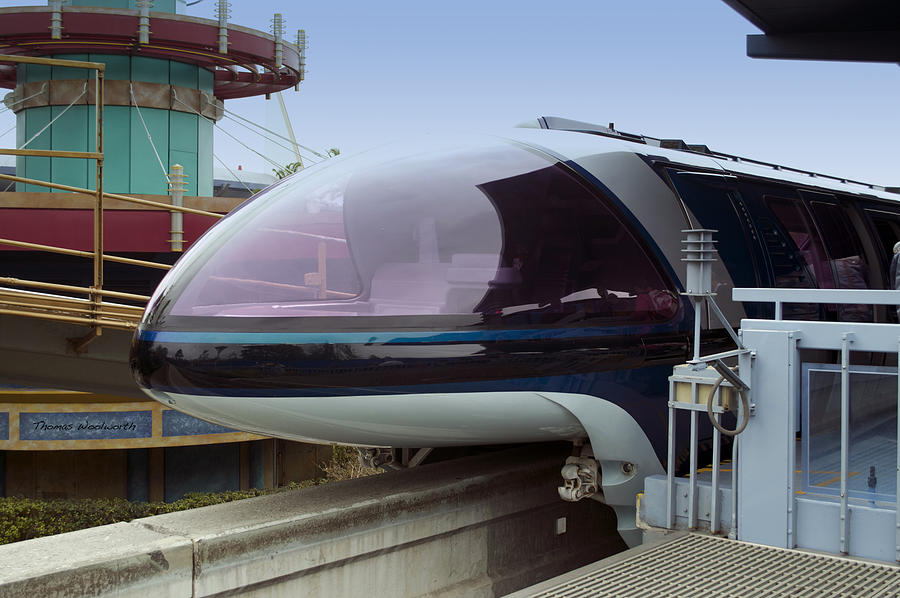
407	420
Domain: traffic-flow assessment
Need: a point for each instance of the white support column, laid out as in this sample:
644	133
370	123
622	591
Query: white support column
176	190
278	33
223	11
56	19
144	21
302	45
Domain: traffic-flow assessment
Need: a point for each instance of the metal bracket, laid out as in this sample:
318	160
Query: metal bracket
729	375
77	344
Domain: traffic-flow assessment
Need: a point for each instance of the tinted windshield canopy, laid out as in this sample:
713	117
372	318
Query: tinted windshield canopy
490	228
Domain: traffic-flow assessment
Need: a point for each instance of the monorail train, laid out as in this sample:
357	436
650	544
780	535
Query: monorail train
493	290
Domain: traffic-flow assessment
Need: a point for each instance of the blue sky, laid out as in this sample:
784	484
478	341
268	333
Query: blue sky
384	70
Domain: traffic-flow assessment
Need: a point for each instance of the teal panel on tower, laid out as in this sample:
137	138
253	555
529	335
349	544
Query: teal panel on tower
65	72
146	174
117	67
116	147
183	135
151	70
204	157
183	75
36	168
26	73
69	133
183	147
207	80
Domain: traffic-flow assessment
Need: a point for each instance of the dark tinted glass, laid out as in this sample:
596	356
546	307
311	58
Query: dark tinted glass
848	263
796	223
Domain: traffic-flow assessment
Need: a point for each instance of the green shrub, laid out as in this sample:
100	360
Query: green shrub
26	518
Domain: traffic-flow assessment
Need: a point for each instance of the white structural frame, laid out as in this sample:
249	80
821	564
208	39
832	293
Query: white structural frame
776	344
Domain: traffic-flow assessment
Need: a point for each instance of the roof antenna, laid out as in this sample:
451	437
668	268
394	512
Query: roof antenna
612	126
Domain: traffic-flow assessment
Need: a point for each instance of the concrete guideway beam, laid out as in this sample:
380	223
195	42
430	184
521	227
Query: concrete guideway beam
479	526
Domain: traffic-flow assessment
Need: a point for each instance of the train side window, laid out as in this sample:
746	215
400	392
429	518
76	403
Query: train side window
715	203
887	226
795	221
847	259
844	248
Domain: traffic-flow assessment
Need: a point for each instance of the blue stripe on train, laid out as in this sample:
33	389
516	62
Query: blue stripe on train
390	337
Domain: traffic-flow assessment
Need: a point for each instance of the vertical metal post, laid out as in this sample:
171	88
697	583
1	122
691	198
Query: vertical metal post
793	390
98	204
733	534
697	320
897	496
845	440
692	484
176	189
670	465
717	450
778	310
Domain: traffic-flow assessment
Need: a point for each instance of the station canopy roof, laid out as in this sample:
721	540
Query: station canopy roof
846	30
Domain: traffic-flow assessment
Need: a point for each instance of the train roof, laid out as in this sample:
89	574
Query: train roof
575	139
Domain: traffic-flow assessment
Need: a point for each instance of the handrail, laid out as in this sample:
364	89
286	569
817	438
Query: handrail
851	296
51	153
52	286
92	311
80	253
126	198
75	64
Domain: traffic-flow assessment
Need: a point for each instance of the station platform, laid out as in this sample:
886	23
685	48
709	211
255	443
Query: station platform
687	564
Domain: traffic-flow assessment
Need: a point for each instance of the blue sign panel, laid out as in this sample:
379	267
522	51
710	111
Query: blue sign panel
176	423
103	425
4	426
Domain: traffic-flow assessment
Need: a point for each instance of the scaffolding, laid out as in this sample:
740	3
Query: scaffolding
30	298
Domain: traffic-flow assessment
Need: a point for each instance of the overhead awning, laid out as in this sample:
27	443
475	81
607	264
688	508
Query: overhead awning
846	30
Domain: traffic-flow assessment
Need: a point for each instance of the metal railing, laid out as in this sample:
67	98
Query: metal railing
845	336
92	311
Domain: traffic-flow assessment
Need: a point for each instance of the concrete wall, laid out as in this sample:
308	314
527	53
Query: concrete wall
480	526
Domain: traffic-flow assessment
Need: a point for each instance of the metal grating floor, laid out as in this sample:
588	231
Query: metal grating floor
712	567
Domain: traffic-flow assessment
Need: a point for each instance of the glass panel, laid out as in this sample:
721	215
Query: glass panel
847	259
873	431
795	221
796	253
887	226
492	228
